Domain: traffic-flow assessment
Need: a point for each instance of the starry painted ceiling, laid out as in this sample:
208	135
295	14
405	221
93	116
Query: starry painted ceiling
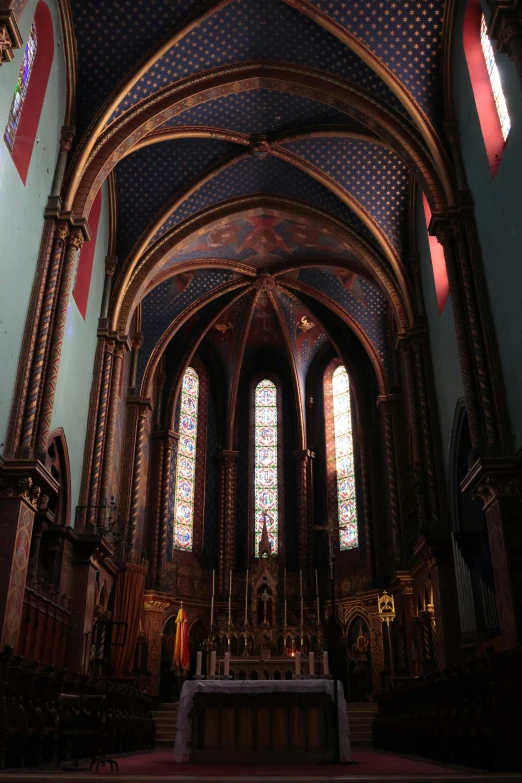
264	138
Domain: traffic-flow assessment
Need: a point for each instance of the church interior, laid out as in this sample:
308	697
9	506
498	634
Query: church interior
260	388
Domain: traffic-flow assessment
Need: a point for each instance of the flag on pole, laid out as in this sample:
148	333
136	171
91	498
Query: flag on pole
181	646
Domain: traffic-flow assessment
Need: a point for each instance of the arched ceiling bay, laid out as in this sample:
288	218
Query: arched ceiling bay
342	141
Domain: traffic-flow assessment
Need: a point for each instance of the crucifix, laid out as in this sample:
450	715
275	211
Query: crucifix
264	317
265	598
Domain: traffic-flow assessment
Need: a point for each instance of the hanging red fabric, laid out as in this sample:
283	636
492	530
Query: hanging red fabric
181	646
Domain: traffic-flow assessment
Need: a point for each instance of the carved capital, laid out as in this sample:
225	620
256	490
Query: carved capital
137	340
154	605
493	487
25	488
67	137
111	263
62	231
75	238
506	25
10	37
490	479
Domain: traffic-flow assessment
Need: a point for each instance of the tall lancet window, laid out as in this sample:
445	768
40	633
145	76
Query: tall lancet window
494	78
344	465
21	86
186	466
265	479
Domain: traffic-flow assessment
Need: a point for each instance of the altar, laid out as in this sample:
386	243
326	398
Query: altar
262	722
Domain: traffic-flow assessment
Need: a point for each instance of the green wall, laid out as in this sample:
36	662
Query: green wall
498	213
21	208
73	389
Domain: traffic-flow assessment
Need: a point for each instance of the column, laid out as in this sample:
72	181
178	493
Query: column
498	485
480	364
303	458
153	611
112	413
169	456
228	517
24	487
111	263
386	410
136	475
99	433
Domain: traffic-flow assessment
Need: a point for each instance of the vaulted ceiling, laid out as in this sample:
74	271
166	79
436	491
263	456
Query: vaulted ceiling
263	154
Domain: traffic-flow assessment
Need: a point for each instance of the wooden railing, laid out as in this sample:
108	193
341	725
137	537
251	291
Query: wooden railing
47	717
467	716
46	622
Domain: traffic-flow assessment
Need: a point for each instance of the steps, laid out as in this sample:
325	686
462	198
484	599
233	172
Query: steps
165	718
360	719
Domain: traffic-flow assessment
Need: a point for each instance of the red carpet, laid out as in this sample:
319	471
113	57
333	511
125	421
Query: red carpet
368	763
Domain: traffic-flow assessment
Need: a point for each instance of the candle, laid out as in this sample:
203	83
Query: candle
213	663
199	661
325	664
226	670
298	662
311	664
246	599
230	601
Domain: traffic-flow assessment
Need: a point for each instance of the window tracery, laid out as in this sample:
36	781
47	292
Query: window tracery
344	461
186	465
22	84
265	470
494	78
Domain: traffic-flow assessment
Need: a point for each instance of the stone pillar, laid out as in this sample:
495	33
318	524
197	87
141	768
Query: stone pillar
111	263
73	244
227	517
137	342
169	454
505	27
54	202
479	360
498	485
136	475
112	412
402	586
386	409
153	611
82	609
99	433
24	486
303	459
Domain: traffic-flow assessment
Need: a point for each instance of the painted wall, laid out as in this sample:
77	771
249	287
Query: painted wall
497	209
71	403
443	339
21	208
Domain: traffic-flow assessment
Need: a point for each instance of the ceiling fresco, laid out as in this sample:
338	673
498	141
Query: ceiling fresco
260	238
235	137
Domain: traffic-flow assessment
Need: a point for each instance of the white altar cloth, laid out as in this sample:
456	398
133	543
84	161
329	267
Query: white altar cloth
190	687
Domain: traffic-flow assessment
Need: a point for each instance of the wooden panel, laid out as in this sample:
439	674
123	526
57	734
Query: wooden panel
263	728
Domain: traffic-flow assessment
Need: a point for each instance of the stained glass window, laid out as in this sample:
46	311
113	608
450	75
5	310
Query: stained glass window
265	480
494	78
186	467
21	89
344	466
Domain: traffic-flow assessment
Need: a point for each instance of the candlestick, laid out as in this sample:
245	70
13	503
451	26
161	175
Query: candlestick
318	615
212	612
246	599
226	669
302	613
298	662
316	584
213	663
230	601
326	670
284	624
311	664
301	582
213	581
199	661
